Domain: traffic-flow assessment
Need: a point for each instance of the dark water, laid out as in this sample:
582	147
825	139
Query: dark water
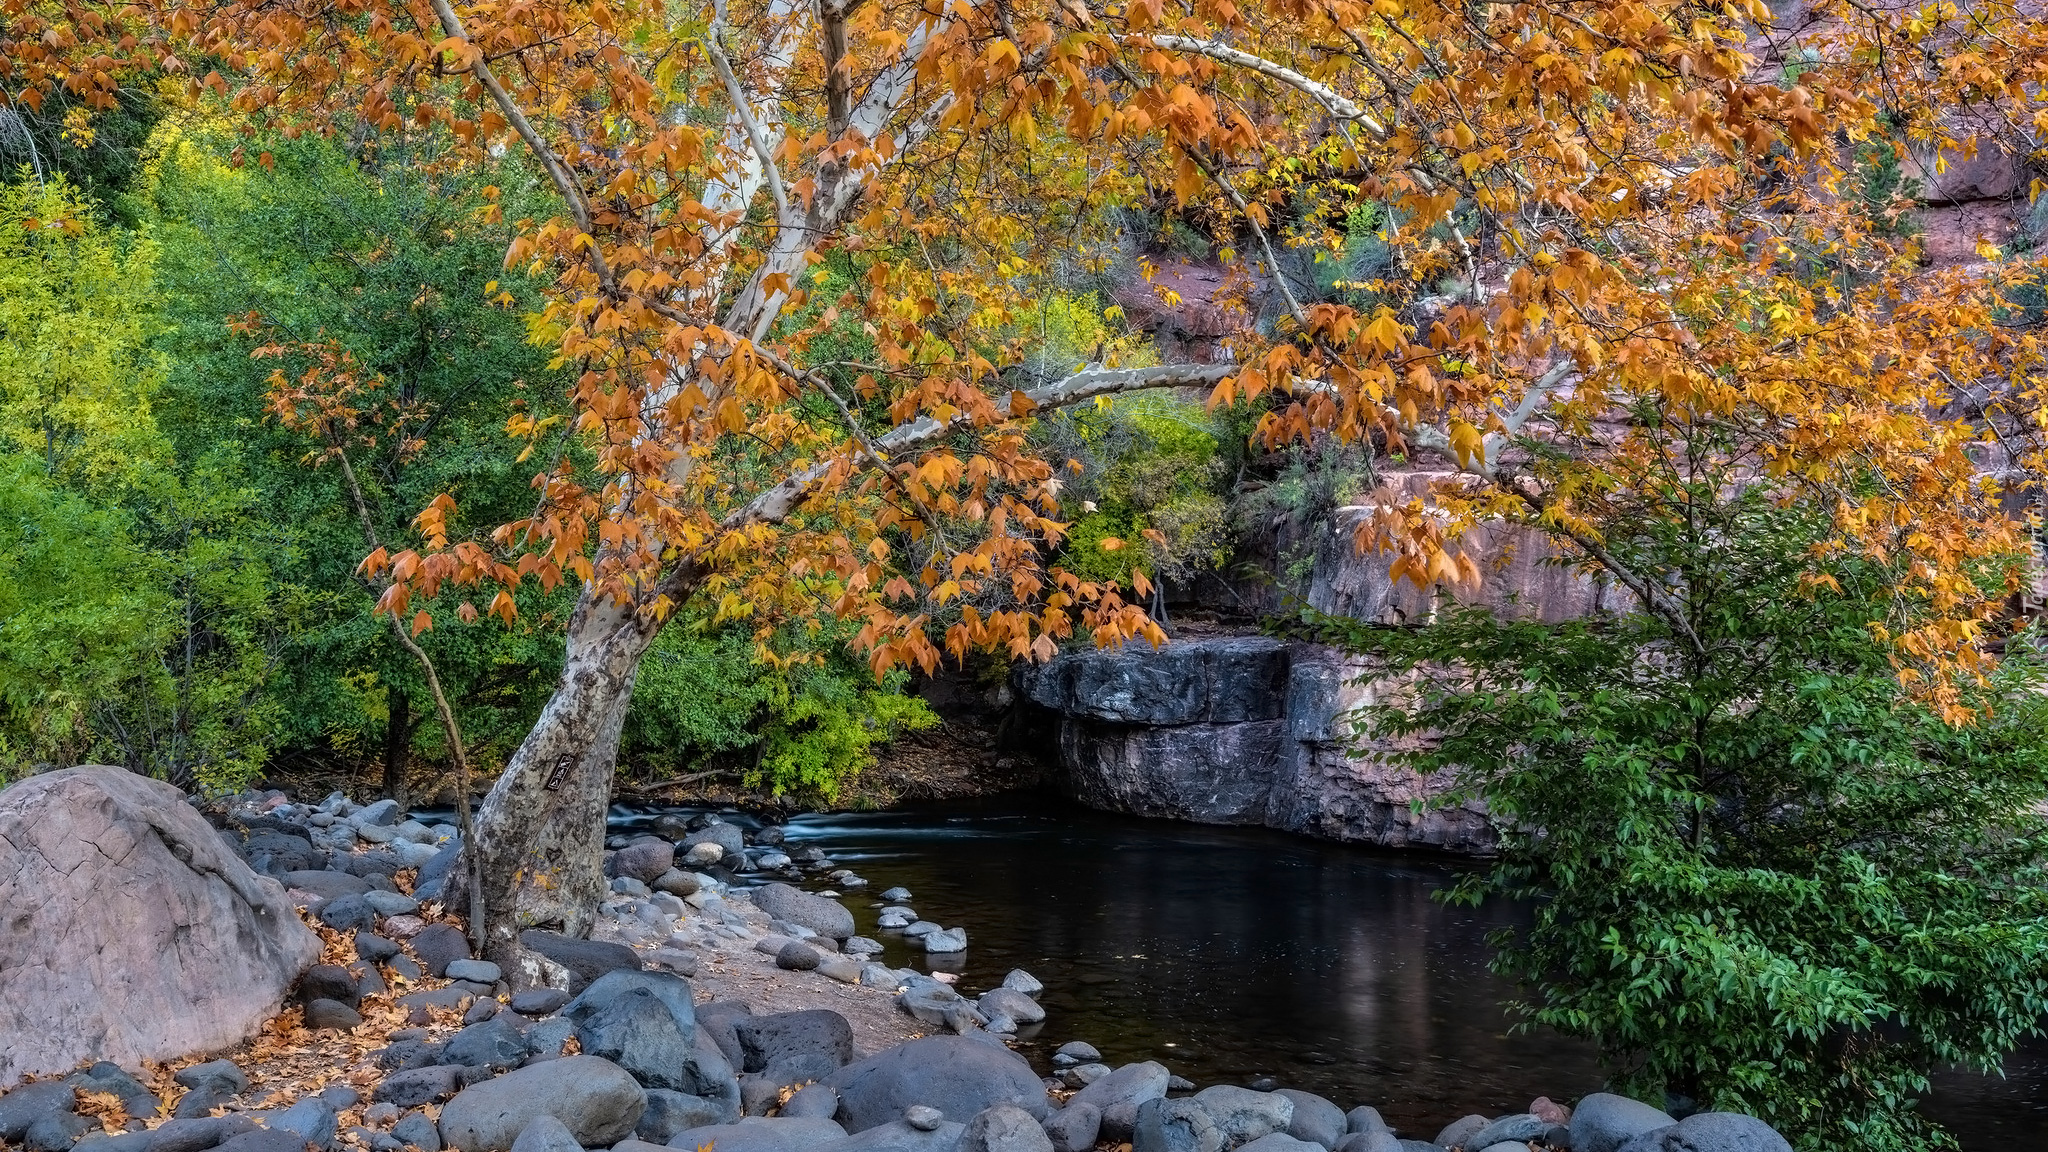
1234	954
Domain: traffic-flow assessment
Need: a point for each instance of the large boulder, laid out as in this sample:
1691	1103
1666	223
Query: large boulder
1604	1122
129	930
597	1100
1711	1132
645	1022
823	915
958	1076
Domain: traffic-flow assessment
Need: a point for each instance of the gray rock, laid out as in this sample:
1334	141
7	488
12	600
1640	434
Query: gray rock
494	1043
1004	1128
898	1137
730	840
125	1142
332	1014
1076	1052
919	929
878	976
627	886
545	1134
374	948
1165	1125
481	971
1244	1115
57	1132
1457	1132
546	1039
383	813
1365	1118
797	956
812	1101
898	895
264	1140
1119	1095
810	1045
1019	980
946	940
201	1102
1282	1142
763	1134
1711	1132
1316	1120
933	1003
1377	1141
1522	1126
1603	1122
315	1120
438	946
391	903
895	918
645	1022
1082	1075
596	1099
710	1077
417	1130
644	861
23	1107
676	882
1502	1146
585	960
1074	1128
195	1135
819	914
1009	1002
325	884
861	946
922	1118
671	1112
960	1077
538	1002
417	1086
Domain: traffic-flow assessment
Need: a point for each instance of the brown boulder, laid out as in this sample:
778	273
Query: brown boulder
128	929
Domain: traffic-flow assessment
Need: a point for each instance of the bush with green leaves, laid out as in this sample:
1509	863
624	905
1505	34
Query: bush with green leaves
802	726
141	618
1766	877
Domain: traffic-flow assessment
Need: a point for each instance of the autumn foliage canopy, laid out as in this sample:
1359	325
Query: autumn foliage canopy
1600	206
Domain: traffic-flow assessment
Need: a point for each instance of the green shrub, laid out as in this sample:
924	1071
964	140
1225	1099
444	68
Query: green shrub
1766	879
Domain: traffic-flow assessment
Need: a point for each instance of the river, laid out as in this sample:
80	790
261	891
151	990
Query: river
1233	955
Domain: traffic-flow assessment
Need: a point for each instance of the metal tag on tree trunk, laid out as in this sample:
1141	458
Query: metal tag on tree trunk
561	771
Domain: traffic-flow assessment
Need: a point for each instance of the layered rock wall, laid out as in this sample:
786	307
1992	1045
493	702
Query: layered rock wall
1250	730
1238	730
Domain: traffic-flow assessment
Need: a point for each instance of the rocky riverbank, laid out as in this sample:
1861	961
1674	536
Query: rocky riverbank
709	1008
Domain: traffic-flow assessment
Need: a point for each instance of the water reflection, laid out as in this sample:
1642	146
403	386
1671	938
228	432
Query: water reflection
1231	955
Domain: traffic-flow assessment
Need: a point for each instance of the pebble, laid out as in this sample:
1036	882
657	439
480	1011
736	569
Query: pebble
922	1118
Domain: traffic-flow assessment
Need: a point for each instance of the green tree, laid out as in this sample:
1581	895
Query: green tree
141	619
377	254
1766	878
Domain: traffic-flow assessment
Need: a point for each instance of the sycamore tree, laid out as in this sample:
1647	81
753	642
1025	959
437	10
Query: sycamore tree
1606	200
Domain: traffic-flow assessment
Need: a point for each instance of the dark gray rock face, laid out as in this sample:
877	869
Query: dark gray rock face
806	1046
1236	730
1074	1128
21	1108
1176	1126
671	1112
1316	1120
1004	1128
958	1076
594	1098
133	933
1227	681
825	916
1710	1132
586	960
645	1022
1603	1122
